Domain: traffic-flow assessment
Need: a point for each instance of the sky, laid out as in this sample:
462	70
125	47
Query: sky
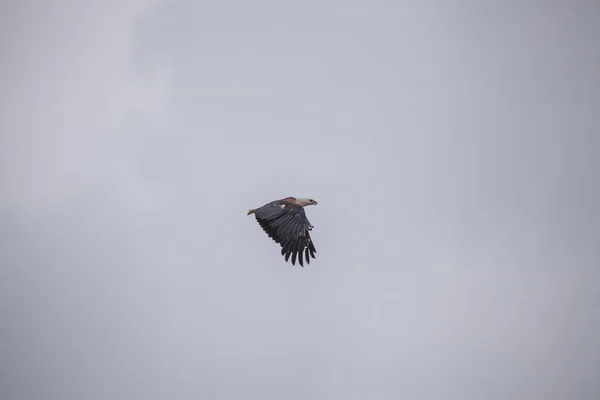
453	150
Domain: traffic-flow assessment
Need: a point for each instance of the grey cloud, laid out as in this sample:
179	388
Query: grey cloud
453	152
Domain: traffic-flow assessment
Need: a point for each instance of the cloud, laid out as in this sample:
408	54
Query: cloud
454	163
70	89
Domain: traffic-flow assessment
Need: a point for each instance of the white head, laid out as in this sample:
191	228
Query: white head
305	201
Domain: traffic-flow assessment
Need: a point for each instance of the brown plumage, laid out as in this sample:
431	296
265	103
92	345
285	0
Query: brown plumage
285	222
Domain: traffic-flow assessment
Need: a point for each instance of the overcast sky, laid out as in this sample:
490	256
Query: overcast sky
454	150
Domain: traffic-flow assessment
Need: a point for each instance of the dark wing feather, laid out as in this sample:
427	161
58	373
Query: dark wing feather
287	225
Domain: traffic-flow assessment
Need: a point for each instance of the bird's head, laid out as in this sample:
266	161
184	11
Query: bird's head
305	202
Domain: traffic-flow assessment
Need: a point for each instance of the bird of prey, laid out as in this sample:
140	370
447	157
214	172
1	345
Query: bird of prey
285	222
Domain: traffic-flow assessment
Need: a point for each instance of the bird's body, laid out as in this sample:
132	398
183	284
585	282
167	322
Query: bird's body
285	222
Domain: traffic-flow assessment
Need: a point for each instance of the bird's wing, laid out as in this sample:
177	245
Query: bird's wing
288	225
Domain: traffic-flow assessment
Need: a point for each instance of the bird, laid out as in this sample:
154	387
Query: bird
285	222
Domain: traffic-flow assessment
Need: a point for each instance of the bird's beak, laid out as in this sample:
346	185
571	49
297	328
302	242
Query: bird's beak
315	202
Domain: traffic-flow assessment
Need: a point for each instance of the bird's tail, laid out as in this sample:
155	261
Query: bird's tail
251	212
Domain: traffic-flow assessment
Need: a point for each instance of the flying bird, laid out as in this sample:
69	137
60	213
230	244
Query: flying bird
285	222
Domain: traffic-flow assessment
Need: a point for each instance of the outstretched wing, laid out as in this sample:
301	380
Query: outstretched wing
287	225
